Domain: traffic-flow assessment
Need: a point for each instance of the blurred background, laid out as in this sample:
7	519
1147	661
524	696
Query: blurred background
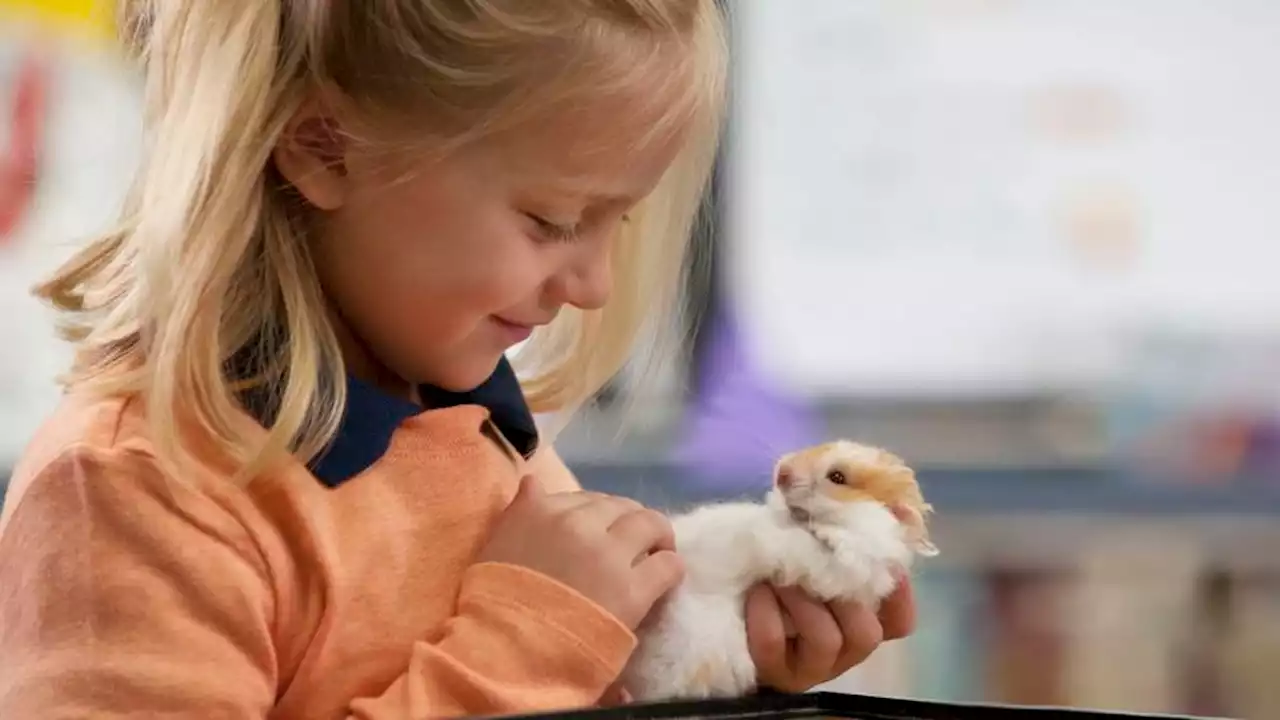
1031	245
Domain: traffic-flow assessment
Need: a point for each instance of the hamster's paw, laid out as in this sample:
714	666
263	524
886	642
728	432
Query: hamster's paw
798	558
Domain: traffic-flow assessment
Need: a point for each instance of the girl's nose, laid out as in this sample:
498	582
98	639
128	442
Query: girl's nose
587	283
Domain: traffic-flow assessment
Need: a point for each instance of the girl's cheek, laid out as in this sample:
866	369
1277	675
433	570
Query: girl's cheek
528	270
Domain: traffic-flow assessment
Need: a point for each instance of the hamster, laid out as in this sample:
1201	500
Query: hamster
839	521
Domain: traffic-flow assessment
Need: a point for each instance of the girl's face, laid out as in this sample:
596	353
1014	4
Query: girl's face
431	278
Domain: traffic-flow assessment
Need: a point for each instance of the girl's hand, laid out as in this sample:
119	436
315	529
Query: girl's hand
615	696
797	642
611	549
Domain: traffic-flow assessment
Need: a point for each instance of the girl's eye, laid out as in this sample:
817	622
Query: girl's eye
554	231
837	477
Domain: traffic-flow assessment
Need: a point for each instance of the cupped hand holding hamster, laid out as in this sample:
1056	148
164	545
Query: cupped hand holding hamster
842	524
798	642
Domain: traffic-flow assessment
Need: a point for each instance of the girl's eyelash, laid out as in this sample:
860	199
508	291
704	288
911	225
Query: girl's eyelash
554	231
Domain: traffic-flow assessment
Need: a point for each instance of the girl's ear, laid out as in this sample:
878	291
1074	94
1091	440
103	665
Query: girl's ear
912	518
311	155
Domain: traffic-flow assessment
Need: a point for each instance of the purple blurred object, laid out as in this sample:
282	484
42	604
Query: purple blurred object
737	426
1263	460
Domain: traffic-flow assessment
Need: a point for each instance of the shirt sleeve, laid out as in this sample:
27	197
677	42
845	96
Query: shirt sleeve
124	594
520	643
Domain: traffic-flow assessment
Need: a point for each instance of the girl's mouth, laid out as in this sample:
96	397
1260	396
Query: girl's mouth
516	333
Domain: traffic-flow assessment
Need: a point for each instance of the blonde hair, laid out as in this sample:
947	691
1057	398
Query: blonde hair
209	262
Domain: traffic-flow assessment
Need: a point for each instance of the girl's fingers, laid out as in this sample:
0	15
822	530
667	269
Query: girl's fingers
644	531
655	576
818	637
861	631
766	636
898	611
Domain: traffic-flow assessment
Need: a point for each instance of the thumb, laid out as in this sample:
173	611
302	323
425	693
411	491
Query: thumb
656	575
528	490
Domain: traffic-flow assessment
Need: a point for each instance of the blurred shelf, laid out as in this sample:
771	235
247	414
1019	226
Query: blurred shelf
1008	432
1078	491
956	491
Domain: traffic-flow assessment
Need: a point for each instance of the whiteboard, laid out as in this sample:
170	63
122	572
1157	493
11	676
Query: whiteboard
990	196
89	151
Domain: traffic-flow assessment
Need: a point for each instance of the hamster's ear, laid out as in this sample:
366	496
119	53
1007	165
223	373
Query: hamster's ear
912	519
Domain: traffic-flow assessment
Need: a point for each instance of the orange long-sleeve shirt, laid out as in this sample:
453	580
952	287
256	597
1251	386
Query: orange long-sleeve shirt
338	591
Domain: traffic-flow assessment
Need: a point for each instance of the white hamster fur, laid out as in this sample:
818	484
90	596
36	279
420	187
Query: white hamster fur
826	526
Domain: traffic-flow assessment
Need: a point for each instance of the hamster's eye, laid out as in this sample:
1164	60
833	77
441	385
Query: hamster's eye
837	477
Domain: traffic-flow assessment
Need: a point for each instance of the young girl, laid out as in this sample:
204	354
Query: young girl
286	478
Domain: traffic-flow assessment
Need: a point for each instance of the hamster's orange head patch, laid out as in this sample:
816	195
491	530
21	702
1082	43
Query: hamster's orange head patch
842	472
849	471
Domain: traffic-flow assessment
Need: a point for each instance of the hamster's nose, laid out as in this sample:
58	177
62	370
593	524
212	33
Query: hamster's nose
784	478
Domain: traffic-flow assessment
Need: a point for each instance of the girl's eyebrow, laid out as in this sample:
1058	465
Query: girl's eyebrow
590	192
589	188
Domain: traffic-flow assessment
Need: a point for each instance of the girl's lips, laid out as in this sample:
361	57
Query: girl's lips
516	332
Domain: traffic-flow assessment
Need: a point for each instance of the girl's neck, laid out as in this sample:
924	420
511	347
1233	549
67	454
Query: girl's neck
362	364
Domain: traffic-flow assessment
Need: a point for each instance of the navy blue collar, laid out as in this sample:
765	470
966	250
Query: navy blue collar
372	416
